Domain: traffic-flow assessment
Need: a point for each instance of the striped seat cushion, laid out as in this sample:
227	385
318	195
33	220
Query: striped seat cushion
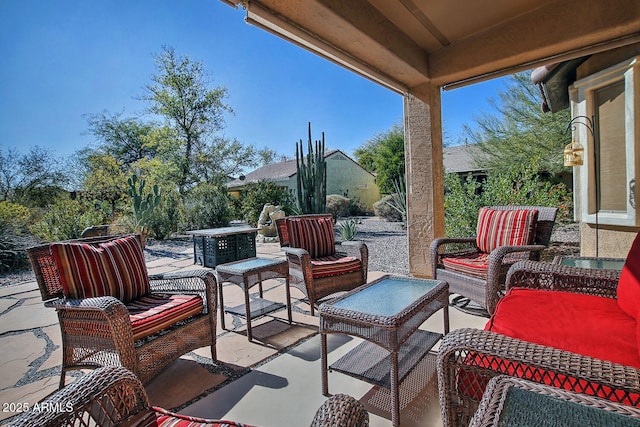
334	265
155	312
476	264
315	235
159	417
114	268
497	228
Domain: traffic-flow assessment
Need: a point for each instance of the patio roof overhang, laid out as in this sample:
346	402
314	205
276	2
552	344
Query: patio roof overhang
409	45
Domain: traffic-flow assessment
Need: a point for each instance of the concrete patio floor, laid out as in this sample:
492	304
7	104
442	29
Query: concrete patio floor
273	380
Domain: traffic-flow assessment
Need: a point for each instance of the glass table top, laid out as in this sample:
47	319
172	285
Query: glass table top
388	296
605	264
249	264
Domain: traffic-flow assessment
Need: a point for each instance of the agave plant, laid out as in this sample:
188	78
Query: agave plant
348	230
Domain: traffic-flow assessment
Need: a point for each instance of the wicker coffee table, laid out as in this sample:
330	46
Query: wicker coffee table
386	313
509	401
246	274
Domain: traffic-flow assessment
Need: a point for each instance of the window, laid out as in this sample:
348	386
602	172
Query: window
606	181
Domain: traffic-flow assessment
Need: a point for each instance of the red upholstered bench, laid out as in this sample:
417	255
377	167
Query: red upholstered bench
567	327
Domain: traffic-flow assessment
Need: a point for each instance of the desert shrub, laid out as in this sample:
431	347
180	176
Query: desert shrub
14	237
383	209
258	194
520	186
338	205
66	218
167	217
356	208
206	206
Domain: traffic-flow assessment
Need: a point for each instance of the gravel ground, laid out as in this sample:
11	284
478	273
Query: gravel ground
386	242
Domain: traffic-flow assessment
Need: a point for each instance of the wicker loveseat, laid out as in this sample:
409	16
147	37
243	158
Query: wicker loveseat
475	267
567	327
112	313
113	396
315	266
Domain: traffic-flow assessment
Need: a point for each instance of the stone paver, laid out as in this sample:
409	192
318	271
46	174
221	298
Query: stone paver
31	350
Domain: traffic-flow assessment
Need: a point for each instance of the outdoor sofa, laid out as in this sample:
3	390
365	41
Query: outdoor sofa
572	328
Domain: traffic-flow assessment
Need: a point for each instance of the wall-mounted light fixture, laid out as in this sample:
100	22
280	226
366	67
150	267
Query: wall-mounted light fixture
574	156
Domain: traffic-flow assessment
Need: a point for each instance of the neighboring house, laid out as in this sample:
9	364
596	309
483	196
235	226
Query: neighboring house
605	88
344	177
461	160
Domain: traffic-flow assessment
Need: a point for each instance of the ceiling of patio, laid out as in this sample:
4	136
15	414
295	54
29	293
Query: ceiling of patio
408	45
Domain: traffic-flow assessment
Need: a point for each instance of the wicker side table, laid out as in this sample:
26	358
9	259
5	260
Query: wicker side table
246	274
386	313
509	401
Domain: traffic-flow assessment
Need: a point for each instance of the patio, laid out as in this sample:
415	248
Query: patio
256	382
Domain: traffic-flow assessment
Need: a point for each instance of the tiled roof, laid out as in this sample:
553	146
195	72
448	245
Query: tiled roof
460	158
280	171
457	159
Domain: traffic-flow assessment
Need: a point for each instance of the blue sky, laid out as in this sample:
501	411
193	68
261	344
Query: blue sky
65	59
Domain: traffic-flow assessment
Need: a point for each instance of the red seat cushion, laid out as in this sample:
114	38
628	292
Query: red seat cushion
476	264
155	312
334	265
497	228
628	290
314	234
583	324
115	268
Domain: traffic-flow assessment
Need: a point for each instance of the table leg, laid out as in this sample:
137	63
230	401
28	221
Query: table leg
323	356
221	305
446	317
286	286
395	390
260	285
248	309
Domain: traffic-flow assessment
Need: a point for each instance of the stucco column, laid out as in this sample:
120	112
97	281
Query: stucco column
425	179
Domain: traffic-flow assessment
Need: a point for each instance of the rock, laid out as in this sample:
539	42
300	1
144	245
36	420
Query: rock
267	220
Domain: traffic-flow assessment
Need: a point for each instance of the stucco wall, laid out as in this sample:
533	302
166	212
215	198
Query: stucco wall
346	178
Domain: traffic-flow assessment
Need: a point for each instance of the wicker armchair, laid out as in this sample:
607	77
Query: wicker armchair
480	276
315	266
113	396
469	358
99	331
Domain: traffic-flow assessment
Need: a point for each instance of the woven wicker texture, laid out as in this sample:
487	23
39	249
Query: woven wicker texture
113	396
486	292
97	331
399	346
544	364
301	270
514	402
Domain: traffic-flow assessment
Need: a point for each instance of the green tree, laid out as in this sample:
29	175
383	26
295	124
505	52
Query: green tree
105	182
520	133
384	155
180	93
32	179
127	140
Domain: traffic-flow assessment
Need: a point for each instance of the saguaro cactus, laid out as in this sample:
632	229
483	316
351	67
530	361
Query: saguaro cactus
142	205
311	178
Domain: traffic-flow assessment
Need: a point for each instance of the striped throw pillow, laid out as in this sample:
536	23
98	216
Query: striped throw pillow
505	228
115	268
315	235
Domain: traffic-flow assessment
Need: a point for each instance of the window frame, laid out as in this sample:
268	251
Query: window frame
582	97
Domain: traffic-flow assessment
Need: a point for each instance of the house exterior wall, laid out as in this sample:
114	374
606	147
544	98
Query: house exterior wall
610	233
346	178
